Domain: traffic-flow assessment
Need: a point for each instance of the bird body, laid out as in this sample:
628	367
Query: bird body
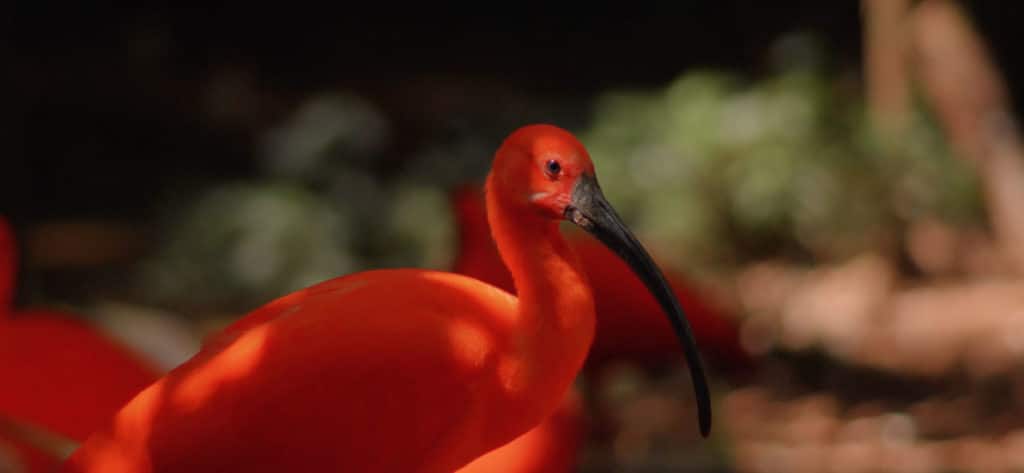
393	369
446	386
62	374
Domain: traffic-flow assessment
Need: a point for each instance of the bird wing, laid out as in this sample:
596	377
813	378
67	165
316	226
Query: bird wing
384	370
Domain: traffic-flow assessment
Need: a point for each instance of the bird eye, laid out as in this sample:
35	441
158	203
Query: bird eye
553	168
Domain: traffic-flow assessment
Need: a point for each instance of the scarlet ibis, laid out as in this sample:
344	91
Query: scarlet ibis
630	324
56	371
400	369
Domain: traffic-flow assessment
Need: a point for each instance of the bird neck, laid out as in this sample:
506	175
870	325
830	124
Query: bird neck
555	304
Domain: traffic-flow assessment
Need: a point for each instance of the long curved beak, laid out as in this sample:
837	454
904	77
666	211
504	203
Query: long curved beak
591	211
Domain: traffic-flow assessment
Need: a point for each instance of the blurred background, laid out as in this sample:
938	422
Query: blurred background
837	185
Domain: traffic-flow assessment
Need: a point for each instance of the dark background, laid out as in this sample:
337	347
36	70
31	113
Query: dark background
95	91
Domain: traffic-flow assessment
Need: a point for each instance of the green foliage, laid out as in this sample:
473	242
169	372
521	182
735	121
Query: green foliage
322	210
244	241
715	171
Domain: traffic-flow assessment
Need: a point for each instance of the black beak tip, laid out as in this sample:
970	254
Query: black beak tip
703	398
704	418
